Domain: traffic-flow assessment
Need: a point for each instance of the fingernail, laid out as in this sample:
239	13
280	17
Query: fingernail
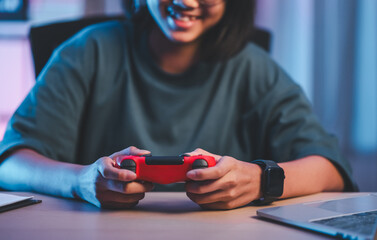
131	176
191	174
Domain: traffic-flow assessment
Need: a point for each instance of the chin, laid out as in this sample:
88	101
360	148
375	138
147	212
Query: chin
183	39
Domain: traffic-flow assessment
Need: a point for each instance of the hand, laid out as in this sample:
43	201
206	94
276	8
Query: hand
229	184
106	186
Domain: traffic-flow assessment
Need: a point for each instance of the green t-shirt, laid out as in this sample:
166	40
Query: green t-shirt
102	92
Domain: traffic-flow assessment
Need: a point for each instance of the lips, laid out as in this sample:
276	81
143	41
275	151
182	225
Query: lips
181	19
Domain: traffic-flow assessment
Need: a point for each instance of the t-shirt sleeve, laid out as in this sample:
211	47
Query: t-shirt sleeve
48	119
287	126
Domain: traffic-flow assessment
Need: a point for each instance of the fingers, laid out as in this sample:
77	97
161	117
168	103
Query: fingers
210	186
120	180
108	171
116	188
221	194
218	196
115	200
116	197
223	166
236	203
129	187
228	199
130	151
200	151
229	184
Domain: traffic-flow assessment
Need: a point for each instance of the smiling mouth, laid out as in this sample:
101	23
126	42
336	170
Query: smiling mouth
176	14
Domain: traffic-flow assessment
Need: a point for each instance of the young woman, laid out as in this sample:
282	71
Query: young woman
179	75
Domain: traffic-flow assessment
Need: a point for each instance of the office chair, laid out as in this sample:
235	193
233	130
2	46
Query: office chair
44	39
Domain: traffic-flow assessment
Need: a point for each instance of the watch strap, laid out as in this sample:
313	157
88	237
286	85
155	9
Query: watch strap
264	164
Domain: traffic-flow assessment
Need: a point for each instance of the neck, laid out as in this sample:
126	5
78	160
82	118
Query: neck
172	57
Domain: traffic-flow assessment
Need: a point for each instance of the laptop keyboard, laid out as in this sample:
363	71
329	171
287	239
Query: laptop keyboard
363	223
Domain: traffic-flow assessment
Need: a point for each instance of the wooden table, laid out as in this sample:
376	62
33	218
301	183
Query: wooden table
160	215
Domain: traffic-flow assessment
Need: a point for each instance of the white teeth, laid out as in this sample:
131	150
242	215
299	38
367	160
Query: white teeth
180	16
184	18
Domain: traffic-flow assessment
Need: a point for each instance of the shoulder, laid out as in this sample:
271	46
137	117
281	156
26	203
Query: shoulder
112	32
261	75
95	50
106	37
107	30
257	62
98	45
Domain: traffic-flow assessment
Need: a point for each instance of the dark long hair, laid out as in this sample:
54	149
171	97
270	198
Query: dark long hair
221	42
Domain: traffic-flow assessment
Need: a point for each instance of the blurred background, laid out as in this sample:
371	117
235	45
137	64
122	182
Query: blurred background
329	47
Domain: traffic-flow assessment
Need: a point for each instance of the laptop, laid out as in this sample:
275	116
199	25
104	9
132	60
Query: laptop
346	218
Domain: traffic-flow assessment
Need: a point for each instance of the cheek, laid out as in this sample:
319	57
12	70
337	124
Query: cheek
213	16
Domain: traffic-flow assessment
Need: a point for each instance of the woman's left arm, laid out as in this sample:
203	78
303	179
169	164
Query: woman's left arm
233	183
309	175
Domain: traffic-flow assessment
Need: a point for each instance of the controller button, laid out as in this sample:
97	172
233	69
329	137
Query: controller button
199	163
129	164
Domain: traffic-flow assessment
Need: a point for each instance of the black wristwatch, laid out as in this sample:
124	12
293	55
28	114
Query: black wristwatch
272	183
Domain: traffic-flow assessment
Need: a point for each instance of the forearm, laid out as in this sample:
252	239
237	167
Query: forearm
309	175
26	170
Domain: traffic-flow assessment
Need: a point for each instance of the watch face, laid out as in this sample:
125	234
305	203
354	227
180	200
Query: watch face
274	182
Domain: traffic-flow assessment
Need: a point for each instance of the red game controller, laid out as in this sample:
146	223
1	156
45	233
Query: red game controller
164	170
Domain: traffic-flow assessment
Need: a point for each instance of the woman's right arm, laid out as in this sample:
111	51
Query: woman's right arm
100	183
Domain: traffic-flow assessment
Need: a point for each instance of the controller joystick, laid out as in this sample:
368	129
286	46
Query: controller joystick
199	163
128	164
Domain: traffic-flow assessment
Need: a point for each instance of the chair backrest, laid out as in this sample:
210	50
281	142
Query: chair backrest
44	39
